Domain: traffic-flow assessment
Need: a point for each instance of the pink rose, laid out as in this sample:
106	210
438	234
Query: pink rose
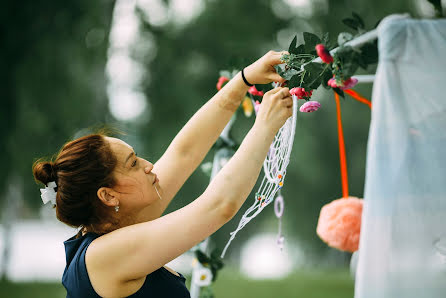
310	106
347	84
221	82
301	93
324	54
253	90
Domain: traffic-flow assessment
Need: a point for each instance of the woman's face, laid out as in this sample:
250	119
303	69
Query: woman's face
135	180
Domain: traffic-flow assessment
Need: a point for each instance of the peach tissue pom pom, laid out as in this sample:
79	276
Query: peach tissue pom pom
339	223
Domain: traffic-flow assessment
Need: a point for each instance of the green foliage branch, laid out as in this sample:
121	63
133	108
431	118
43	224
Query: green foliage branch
300	70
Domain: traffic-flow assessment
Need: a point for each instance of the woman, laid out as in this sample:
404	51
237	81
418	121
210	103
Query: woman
116	198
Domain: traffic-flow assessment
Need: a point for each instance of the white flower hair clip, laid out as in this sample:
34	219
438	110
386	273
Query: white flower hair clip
48	194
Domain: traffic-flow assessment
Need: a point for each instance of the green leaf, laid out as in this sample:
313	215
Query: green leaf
214	274
349	67
292	47
201	257
311	40
352	23
300	49
313	72
326	40
294	81
279	70
437	6
345	58
326	75
288	74
361	61
339	91
359	20
369	52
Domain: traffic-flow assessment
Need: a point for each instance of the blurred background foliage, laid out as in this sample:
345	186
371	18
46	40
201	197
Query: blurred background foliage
54	55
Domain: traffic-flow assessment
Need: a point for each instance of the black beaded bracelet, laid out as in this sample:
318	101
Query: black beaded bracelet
244	79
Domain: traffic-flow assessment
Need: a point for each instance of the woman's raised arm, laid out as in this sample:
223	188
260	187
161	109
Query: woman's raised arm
117	261
193	142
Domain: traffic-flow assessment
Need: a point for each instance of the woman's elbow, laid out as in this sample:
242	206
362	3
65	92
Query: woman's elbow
228	209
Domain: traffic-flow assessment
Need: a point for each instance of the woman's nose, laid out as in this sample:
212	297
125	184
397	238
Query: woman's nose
148	168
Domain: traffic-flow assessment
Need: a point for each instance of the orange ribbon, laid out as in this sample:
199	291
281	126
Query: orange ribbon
342	156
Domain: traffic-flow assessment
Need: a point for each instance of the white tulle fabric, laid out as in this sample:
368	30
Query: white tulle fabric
402	250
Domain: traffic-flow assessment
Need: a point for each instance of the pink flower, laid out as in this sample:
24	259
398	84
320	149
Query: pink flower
221	82
332	83
339	223
310	106
347	84
324	54
301	93
257	106
253	90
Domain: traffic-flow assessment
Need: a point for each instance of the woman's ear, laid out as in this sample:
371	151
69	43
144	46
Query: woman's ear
108	196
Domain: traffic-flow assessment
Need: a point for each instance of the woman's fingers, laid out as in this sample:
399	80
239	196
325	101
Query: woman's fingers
275	77
284	92
276	57
288	101
275	90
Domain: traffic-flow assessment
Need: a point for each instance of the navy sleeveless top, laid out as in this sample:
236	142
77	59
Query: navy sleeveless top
160	283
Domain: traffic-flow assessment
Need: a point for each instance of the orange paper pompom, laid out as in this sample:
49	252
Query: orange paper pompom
339	223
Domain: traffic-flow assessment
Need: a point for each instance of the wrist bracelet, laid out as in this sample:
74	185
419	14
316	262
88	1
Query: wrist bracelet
244	79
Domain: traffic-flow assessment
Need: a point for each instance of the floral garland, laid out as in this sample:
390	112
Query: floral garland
303	74
339	221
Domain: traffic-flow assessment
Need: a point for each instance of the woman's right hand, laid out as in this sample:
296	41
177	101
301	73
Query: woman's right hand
276	108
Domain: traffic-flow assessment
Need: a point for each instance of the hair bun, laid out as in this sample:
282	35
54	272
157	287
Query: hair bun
44	172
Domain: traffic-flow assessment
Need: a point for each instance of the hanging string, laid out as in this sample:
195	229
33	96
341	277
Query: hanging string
342	155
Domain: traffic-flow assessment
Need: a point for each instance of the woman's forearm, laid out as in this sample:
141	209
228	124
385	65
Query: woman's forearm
199	134
236	179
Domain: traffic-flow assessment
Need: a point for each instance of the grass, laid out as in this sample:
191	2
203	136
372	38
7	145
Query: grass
305	284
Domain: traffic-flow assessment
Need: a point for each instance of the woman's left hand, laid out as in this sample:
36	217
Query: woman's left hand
262	71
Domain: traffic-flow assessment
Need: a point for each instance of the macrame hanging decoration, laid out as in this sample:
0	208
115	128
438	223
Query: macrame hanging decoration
274	168
339	223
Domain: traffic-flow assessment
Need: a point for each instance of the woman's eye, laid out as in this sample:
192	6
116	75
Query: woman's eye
134	163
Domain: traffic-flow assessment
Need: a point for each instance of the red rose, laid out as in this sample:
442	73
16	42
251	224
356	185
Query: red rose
324	54
301	93
253	90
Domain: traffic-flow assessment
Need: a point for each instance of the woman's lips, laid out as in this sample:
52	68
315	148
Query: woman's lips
156	179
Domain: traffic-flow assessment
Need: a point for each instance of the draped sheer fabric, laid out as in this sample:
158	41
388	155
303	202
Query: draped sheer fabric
402	250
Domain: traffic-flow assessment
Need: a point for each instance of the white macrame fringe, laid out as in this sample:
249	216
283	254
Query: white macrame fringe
274	165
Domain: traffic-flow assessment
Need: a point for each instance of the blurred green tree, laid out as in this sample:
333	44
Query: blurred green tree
54	85
53	78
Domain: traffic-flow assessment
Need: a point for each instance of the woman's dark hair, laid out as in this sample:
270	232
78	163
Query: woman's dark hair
81	167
